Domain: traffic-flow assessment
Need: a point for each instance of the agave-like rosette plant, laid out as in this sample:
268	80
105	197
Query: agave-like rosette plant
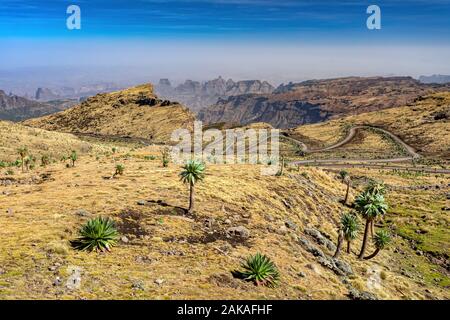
99	234
261	270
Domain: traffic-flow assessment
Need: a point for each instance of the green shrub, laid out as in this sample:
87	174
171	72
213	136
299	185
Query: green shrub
149	157
97	234
120	168
260	270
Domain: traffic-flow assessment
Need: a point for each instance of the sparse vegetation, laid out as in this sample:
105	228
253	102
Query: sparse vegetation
73	157
22	151
45	160
120	168
165	156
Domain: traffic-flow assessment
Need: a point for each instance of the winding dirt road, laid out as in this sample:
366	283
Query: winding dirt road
367	163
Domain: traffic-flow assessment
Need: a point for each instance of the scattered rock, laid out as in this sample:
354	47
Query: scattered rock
270	218
283	230
240	231
57	281
54	267
138	285
227	221
82	213
290	224
361	295
159	281
142	203
311	248
321	239
209	223
287	204
143	259
301	274
313	267
419	253
10	211
343	266
124	239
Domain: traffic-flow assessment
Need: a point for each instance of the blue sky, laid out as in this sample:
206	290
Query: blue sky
319	20
276	40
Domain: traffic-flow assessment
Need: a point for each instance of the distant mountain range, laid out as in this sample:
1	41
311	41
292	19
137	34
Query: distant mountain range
197	95
47	101
435	78
80	93
317	100
15	108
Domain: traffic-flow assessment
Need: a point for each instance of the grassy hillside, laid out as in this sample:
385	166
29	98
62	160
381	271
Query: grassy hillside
135	112
168	255
424	124
38	142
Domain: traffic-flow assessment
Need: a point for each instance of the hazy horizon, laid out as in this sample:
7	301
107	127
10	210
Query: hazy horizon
129	42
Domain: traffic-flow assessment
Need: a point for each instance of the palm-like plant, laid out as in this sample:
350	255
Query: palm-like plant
97	234
22	151
193	171
120	168
348	182
375	187
350	228
73	157
261	270
370	206
343	174
348	231
382	239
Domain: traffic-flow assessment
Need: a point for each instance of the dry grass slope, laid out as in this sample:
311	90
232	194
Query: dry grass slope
171	256
38	142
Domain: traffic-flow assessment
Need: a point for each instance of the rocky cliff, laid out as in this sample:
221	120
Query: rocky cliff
15	108
317	100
